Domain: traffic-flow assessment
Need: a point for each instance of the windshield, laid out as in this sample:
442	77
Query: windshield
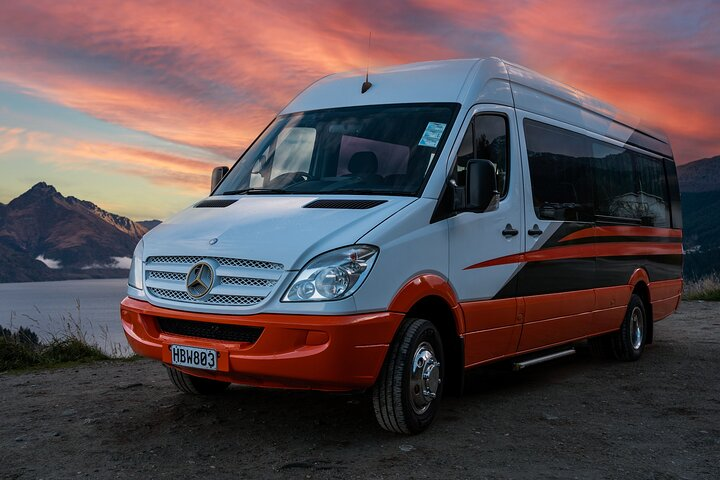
381	149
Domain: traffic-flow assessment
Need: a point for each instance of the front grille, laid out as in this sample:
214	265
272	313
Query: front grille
245	282
183	296
231	262
177	277
239	282
215	331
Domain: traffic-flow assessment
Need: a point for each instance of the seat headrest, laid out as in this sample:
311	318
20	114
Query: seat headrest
363	163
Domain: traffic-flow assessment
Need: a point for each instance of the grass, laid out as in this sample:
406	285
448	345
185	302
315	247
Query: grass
23	349
706	288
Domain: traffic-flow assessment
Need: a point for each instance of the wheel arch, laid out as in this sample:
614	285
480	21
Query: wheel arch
431	298
640	282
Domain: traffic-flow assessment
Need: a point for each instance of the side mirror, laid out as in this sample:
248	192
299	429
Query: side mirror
480	185
218	174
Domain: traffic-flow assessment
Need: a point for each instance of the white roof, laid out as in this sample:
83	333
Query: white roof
471	81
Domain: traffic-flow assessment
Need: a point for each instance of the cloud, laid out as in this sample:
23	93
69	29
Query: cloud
116	262
212	75
50	263
161	168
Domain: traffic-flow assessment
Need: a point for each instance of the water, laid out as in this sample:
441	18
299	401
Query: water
47	307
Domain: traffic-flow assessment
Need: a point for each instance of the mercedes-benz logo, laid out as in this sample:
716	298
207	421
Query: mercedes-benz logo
199	279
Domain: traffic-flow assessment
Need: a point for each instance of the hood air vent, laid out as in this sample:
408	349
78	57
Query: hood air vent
345	204
215	203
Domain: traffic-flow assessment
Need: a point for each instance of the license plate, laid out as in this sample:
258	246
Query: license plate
184	356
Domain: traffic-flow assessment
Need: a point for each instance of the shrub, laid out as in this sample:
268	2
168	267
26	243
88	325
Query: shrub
23	349
706	288
14	354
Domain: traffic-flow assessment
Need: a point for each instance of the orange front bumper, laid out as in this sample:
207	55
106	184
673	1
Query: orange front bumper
293	351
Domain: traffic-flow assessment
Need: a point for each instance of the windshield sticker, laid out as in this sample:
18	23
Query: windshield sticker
432	134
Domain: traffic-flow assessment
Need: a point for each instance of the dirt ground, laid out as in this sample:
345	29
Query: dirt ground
577	417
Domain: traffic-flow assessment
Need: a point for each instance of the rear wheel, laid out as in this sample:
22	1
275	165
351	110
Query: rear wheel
195	385
601	346
407	394
629	343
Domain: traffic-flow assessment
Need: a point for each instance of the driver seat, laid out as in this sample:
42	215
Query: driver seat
365	166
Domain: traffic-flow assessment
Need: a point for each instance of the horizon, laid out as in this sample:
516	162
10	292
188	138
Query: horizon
130	106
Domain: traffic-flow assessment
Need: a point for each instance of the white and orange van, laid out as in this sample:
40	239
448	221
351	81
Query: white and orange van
390	233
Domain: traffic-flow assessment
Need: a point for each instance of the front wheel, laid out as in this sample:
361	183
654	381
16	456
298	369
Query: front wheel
629	343
407	394
195	385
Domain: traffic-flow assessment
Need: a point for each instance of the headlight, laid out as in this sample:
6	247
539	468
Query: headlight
333	275
135	279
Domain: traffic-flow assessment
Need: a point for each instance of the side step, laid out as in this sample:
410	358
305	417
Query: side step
519	365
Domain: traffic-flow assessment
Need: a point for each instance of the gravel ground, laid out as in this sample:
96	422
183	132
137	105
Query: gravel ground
577	417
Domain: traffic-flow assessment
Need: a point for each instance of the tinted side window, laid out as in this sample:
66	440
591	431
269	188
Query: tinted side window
615	185
560	173
652	191
485	138
674	190
575	177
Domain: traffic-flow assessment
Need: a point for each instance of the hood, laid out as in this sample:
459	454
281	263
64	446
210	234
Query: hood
268	228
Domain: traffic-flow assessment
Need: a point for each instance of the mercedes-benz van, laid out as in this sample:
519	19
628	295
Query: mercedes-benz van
391	232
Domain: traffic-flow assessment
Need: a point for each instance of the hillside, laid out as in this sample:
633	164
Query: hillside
47	236
701	218
700	189
700	175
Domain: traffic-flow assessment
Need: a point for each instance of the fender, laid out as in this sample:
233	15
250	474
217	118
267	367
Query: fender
427	285
639	275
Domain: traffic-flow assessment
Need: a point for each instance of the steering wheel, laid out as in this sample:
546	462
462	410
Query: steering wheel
289	178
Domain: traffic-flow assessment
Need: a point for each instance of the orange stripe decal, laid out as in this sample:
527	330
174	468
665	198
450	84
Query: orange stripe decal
624	230
619	249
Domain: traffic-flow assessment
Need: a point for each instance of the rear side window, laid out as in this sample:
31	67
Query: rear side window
674	191
653	191
560	173
578	178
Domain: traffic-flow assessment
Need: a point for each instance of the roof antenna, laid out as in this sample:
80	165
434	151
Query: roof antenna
366	85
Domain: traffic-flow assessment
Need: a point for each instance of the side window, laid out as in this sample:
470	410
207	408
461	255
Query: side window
575	177
615	192
491	134
464	154
560	173
485	138
653	195
674	191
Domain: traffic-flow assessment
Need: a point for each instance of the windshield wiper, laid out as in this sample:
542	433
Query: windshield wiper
358	191
250	191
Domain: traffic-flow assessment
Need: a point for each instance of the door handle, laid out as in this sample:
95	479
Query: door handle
535	231
509	231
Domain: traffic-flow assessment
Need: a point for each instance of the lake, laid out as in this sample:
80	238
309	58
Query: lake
48	307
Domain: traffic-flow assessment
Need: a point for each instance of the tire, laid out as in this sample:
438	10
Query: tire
407	394
601	347
629	342
195	385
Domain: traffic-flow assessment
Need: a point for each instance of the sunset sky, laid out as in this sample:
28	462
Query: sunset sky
131	104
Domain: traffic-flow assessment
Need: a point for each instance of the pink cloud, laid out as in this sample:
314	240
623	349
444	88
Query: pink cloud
211	75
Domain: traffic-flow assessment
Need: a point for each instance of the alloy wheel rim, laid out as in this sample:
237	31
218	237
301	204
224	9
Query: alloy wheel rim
636	328
425	378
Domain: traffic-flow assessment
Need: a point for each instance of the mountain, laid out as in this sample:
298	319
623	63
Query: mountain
47	236
149	224
700	175
700	194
